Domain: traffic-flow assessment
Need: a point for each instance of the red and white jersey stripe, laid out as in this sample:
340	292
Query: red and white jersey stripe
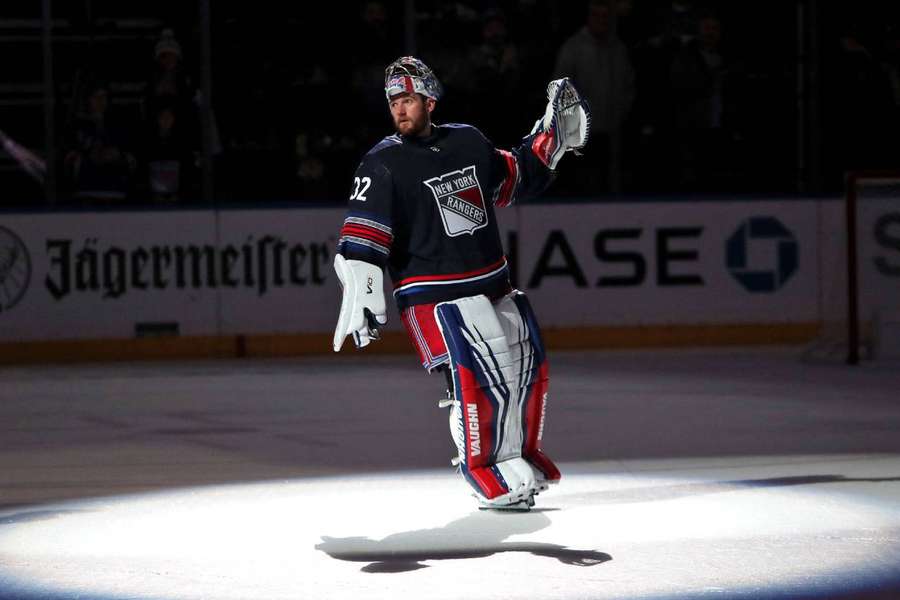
366	232
411	285
506	191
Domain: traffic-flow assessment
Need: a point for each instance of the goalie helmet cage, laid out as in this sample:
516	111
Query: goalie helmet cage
857	184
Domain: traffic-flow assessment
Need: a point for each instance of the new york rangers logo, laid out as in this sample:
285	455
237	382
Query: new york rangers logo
459	198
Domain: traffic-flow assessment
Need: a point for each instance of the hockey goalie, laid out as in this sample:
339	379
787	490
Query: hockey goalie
422	207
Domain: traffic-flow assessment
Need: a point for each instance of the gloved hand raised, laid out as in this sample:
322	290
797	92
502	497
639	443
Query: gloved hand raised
566	124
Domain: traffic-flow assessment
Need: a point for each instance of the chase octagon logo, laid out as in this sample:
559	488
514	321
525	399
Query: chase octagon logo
756	233
15	269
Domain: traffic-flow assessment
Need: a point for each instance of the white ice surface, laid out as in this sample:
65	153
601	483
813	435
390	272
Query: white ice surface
610	530
706	474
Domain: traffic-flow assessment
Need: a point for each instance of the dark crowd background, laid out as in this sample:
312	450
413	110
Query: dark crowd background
688	97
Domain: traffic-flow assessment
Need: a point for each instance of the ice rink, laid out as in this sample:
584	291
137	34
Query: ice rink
714	473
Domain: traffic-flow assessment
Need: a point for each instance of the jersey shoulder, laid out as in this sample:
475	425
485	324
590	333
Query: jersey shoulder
463	129
386	143
376	162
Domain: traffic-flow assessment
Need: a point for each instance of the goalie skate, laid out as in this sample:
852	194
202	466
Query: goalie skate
517	475
520	506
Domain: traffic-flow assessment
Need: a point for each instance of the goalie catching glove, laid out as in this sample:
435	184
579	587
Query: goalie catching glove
362	307
566	123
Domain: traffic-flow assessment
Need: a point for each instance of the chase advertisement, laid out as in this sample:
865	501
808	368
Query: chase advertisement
672	263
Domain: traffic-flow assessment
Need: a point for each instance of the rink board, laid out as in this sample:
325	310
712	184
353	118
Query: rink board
261	276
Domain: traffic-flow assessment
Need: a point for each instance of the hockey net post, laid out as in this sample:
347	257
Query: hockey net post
858	182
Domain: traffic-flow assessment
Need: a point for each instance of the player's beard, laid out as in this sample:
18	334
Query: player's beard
413	126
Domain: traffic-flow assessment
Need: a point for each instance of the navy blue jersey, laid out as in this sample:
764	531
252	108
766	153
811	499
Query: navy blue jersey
424	209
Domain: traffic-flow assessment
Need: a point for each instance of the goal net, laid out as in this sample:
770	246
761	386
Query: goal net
859	247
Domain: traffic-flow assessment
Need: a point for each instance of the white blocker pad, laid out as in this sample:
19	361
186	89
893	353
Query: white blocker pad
363	308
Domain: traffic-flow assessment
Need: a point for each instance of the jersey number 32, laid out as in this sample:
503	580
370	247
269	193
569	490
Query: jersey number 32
360	186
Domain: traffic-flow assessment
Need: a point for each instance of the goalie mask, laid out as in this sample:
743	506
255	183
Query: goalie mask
410	75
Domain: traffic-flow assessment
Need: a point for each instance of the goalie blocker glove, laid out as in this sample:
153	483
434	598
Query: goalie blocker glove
566	124
363	307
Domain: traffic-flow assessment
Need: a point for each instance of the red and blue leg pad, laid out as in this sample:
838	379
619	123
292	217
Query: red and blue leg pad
477	357
534	396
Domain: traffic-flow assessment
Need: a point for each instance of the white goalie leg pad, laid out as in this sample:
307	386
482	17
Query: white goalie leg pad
529	363
486	421
521	359
521	480
522	362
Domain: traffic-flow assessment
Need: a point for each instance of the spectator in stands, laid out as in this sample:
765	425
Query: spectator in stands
375	44
447	32
98	162
169	83
656	34
169	78
858	104
673	24
698	77
310	171
169	165
890	59
495	65
536	53
890	64
598	62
